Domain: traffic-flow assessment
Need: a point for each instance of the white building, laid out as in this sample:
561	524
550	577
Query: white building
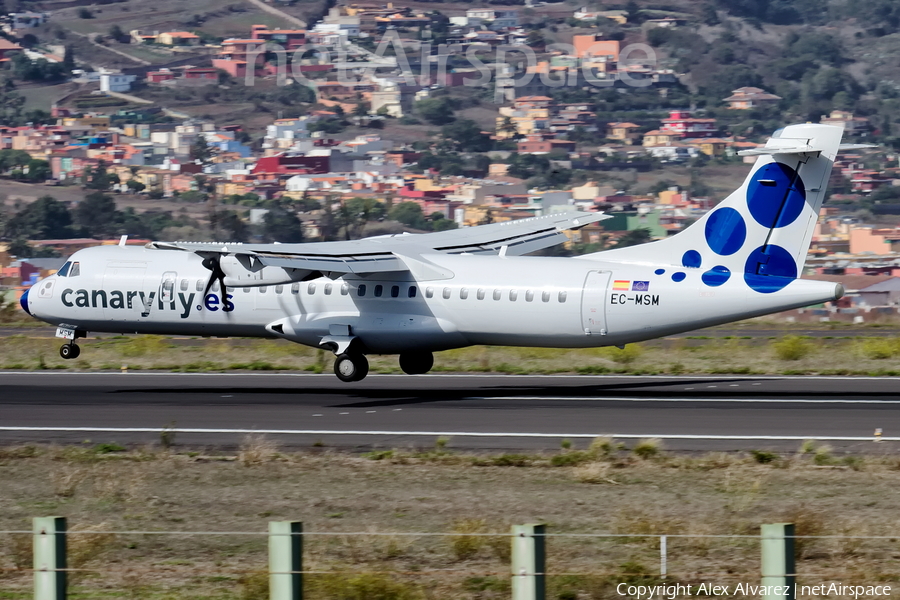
498	19
116	82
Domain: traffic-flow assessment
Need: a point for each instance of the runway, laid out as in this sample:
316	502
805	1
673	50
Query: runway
503	406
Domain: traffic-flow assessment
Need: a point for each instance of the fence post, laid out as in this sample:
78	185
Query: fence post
778	568
529	562
285	560
49	558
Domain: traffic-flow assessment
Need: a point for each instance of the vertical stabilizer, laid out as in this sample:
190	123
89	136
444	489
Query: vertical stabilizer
762	231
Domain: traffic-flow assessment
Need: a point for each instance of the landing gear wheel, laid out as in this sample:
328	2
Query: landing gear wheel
69	351
351	367
416	364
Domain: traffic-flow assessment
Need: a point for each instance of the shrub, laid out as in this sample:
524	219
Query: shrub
627	355
647	449
257	449
877	348
465	545
571	459
255	585
595	472
822	456
367	586
604	447
109	448
792	347
763	457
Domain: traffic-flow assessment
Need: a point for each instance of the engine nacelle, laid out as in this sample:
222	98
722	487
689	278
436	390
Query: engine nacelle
245	271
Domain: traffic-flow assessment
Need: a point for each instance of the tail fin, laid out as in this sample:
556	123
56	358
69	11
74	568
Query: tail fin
764	228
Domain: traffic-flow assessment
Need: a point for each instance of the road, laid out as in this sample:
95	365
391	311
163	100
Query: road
561	406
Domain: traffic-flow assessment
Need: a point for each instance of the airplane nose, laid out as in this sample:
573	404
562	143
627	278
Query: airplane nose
24	301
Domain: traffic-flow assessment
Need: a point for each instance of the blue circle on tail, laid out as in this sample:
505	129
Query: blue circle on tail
776	195
726	231
769	269
691	259
716	276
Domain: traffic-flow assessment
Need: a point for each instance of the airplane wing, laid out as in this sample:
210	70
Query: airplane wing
387	253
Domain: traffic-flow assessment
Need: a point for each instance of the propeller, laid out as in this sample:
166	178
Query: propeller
212	263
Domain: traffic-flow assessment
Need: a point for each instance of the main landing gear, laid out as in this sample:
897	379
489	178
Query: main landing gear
70	350
417	363
351	367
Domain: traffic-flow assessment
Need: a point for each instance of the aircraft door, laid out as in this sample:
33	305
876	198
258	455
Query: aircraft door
593	302
167	287
122	284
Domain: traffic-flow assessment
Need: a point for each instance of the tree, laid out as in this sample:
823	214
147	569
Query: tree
97	214
69	58
361	110
37	170
410	214
200	150
467	135
84	13
437	111
116	33
135	186
634	237
45	218
355	213
96	178
280	225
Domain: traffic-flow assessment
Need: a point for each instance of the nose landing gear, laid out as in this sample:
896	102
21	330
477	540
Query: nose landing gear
70	350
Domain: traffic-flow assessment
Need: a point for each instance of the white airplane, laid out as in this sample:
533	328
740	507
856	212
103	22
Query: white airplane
413	295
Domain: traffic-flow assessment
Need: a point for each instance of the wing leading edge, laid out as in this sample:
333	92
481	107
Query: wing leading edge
391	253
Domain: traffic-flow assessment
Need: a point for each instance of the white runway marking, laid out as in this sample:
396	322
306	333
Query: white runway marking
479	434
717	400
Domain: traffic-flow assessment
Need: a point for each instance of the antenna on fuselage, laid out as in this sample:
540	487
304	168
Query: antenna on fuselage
123	239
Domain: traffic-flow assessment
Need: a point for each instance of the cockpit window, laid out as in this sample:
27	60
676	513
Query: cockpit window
75	271
64	271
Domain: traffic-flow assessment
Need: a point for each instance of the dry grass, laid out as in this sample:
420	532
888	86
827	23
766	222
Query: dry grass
839	355
256	450
438	491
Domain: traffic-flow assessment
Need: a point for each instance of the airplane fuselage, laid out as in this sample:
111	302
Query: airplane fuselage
479	299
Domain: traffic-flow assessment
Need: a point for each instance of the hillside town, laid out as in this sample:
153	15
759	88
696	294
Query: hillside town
375	141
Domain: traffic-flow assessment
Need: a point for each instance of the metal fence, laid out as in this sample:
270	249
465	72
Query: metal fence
532	557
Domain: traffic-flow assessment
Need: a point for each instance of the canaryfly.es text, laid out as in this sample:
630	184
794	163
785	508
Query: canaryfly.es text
679	590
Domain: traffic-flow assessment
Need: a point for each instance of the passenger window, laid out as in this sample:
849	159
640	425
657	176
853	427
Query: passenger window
361	290
562	297
429	292
168	287
463	293
480	294
184	285
395	291
201	284
75	271
513	295
412	291
529	296
497	294
263	289
328	288
345	289
295	288
311	289
279	289
64	271
246	290
545	296
446	293
379	289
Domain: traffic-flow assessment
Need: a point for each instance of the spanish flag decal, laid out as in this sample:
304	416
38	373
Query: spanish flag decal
622	284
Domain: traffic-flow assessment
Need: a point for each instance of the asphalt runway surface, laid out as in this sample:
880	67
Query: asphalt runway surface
556	406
